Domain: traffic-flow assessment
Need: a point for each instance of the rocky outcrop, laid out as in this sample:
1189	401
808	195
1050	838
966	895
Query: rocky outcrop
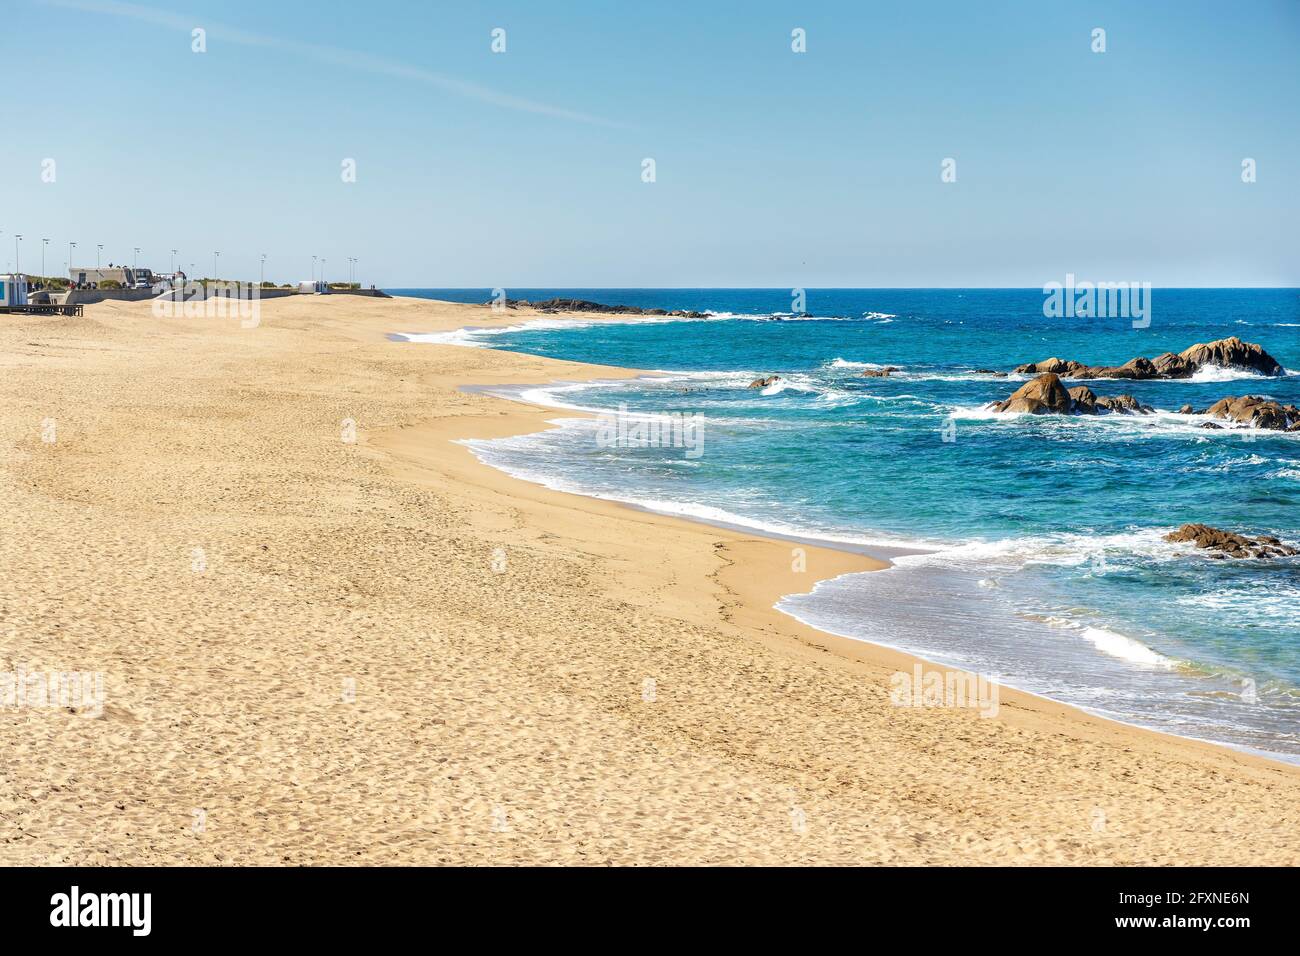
1256	412
1228	353
765	382
583	305
1170	365
1124	404
879	372
1046	395
1084	400
1228	544
1233	353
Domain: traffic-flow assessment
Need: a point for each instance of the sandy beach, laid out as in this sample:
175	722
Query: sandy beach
320	650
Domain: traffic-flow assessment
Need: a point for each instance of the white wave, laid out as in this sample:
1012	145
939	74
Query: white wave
981	413
1232	463
790	384
1220	373
838	362
769	317
1120	426
1268	604
902	371
1064	549
484	450
1126	649
879	316
735	378
1113	643
960	377
477	336
742	316
546	395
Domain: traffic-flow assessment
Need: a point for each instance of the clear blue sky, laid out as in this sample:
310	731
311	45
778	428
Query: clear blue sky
773	168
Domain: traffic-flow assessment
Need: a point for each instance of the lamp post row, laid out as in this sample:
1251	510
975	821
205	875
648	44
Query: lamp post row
135	260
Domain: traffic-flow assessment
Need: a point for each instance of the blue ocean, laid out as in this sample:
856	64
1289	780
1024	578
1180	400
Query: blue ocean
1027	548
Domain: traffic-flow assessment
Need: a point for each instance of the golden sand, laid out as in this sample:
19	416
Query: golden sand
381	651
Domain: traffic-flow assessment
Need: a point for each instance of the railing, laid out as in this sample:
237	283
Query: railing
74	309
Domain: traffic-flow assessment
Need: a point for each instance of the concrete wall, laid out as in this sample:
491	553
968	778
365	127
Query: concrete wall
87	296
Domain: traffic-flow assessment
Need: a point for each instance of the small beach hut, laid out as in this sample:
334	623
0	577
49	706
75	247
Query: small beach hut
13	290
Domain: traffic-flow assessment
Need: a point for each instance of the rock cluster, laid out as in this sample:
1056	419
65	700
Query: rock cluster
1046	395
1226	353
583	305
1250	410
1257	412
1228	544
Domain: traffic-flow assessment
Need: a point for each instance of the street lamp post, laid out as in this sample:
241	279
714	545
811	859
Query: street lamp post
135	259
99	247
44	243
71	245
261	279
17	239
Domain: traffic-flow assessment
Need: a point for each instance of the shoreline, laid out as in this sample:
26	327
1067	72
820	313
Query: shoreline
839	644
348	641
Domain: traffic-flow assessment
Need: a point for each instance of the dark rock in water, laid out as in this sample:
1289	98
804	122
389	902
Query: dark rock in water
1229	353
765	382
1042	396
989	371
1230	544
1124	404
879	372
1186	410
1257	412
1084	399
583	305
1137	368
1053	365
1046	395
1170	365
1210	425
1232	352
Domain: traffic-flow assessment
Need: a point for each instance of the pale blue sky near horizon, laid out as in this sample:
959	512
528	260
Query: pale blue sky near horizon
774	169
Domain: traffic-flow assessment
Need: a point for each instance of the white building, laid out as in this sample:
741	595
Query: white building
124	276
13	290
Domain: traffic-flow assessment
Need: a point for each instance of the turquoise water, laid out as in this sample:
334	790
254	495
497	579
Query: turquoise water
1044	564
